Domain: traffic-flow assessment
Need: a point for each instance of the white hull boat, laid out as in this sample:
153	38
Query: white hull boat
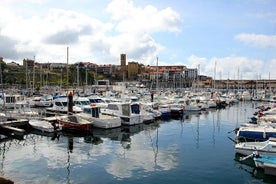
129	114
42	125
99	120
265	147
60	106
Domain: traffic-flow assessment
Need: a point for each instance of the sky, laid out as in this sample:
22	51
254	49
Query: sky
223	39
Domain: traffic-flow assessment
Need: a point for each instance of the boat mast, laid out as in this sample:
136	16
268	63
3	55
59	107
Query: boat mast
85	78
34	75
78	77
67	67
2	88
157	85
215	75
26	63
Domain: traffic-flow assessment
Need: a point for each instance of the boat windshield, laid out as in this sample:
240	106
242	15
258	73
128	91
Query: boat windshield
61	104
85	102
98	100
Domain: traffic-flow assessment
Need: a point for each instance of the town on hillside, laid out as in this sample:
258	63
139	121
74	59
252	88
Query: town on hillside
33	74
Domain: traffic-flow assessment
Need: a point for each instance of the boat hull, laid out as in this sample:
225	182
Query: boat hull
266	162
256	133
42	125
74	126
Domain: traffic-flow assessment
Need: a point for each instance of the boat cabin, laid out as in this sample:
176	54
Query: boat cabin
93	111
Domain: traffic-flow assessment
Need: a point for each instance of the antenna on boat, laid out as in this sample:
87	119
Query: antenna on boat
34	75
157	85
67	66
2	88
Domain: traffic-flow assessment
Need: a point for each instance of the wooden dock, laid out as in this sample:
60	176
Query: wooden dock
11	127
16	123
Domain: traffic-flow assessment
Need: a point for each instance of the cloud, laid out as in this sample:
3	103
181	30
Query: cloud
7	48
10	48
63	37
147	19
142	48
135	26
257	40
47	36
232	67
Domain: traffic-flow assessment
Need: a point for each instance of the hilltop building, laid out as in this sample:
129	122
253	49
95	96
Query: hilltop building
173	76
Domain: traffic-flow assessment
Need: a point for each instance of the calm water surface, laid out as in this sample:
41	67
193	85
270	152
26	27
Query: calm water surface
196	149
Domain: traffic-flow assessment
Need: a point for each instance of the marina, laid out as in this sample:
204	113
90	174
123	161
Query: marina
198	147
137	92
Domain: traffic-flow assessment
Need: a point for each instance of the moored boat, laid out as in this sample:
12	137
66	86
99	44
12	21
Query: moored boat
256	132
93	114
43	125
60	106
267	162
74	122
129	113
42	101
264	147
263	161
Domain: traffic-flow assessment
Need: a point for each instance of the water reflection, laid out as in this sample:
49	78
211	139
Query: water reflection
141	153
248	166
129	152
69	151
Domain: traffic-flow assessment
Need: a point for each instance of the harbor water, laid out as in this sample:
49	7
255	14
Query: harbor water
197	148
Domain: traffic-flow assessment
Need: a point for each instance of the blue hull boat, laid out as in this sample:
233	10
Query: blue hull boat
267	162
256	132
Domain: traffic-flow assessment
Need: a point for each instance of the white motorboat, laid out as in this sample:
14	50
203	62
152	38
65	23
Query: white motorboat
129	114
98	119
42	101
245	96
22	110
81	101
60	106
190	105
9	101
99	101
264	147
148	107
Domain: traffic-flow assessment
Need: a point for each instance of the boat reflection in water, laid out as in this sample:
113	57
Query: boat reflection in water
248	166
128	157
179	151
139	151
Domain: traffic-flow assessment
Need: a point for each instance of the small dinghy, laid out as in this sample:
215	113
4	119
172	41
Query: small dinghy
43	125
